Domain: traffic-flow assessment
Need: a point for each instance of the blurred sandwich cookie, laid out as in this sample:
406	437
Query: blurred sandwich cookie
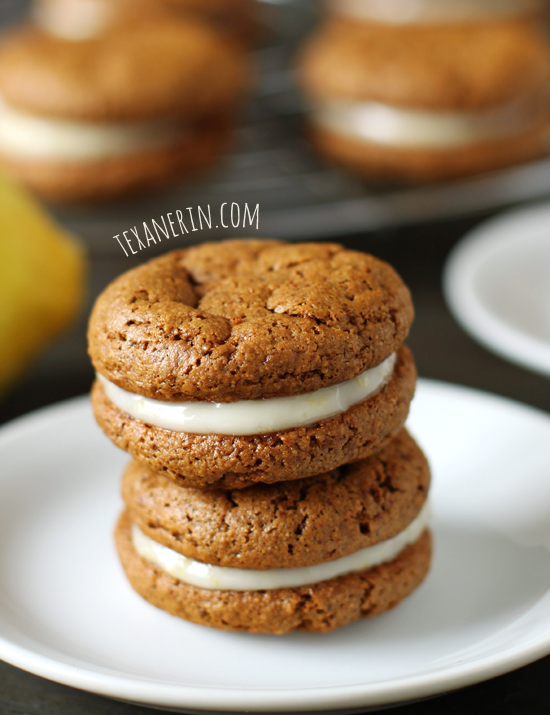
312	554
427	102
132	110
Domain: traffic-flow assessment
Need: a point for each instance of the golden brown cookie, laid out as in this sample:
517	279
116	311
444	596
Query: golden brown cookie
234	462
248	319
234	329
133	109
322	606
287	524
423	102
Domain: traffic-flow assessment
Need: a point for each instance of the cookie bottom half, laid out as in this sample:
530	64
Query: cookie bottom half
410	165
83	181
235	462
320	607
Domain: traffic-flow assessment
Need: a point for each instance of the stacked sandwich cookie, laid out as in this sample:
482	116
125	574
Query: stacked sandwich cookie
311	554
262	388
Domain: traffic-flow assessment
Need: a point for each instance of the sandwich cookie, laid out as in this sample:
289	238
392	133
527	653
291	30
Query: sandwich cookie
134	109
252	361
313	554
423	102
85	19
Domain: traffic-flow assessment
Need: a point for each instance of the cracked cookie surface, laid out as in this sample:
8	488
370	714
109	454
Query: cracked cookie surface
248	319
288	524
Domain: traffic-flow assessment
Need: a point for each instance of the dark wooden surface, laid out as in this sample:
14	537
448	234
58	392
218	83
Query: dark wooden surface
442	351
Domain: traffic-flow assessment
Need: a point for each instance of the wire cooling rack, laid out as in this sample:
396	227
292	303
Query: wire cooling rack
273	165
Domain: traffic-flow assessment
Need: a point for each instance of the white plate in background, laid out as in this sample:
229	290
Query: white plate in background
497	284
68	614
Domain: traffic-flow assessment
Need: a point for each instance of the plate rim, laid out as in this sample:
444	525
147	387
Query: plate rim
265	700
473	316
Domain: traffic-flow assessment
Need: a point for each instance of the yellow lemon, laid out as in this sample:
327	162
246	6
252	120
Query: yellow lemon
42	279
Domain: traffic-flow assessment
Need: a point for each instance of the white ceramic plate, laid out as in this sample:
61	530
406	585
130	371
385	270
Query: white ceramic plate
67	613
497	284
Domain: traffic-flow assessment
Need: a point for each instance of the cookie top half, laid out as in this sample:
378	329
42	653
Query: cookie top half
455	66
248	319
288	524
162	68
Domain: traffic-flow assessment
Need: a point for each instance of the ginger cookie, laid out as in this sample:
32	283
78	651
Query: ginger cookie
131	110
422	102
246	361
323	606
288	524
312	554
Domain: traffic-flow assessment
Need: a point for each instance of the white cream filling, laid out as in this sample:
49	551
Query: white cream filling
402	127
225	578
432	11
73	19
248	417
34	137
